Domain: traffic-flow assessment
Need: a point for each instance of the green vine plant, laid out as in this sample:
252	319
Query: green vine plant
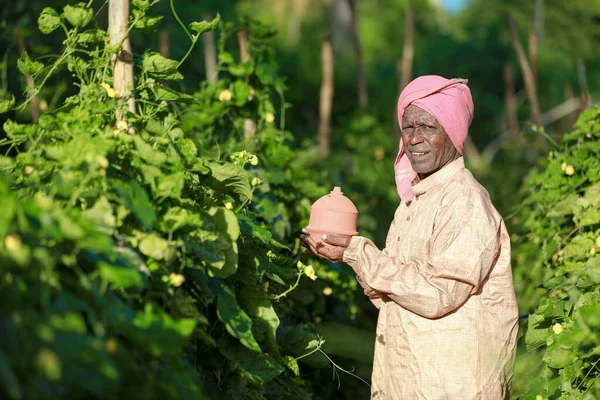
157	256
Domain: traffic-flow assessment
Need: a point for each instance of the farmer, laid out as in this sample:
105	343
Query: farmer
443	284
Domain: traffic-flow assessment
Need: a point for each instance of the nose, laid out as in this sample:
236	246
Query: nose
416	136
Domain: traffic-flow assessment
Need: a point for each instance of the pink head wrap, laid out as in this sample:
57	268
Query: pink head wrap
450	102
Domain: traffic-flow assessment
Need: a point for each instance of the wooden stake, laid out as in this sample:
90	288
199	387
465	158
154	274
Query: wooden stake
528	78
122	63
533	42
363	95
405	65
326	100
164	43
242	35
510	101
35	100
583	86
569	95
210	53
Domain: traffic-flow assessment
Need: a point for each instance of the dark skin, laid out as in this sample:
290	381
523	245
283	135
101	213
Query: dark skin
428	148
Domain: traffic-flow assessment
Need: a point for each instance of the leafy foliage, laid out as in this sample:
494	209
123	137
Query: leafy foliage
151	254
557	269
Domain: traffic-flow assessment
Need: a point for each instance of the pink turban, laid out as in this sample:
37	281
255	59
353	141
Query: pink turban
450	102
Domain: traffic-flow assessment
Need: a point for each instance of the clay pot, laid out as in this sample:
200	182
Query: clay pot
333	214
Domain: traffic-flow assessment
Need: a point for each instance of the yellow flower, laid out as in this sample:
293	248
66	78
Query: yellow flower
102	161
43	105
310	272
563	166
176	279
557	328
592	251
225	95
269	117
112	93
29	170
12	242
569	170
327	291
229	206
254	160
111	346
598	241
122	125
255	181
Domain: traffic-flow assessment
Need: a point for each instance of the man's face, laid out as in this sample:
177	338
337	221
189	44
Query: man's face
426	143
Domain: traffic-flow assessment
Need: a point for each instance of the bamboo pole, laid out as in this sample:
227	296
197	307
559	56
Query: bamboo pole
510	101
210	53
583	86
164	43
405	65
528	77
363	95
245	56
122	62
326	100
569	95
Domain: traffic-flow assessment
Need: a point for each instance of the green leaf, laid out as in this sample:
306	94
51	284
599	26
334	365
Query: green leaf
260	367
121	277
48	21
149	153
236	321
160	67
145	22
251	228
593	269
8	205
559	356
226	225
69	322
154	246
537	331
188	149
9	380
133	196
171	185
241	92
27	66
7	105
259	305
578	248
160	332
102	215
79	15
205	26
92	36
142	4
292	364
231	179
167	94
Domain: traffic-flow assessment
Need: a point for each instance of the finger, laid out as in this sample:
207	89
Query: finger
341	241
304	231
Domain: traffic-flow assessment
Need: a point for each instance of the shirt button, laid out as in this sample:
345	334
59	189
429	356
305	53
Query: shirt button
408	218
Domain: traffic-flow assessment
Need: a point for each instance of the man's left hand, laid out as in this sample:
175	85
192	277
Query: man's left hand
331	248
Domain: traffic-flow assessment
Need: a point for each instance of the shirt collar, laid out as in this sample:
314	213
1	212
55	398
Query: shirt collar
438	177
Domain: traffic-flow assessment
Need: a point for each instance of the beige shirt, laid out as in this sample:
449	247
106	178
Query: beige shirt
448	316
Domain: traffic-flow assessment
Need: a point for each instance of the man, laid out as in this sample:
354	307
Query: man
448	316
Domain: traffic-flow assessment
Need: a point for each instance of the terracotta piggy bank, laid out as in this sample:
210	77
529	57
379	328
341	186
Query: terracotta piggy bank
332	214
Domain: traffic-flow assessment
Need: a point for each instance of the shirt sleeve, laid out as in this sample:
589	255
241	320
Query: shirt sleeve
376	297
463	248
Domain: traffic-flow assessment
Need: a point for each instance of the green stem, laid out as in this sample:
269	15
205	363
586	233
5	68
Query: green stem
335	366
179	21
39	87
194	41
294	286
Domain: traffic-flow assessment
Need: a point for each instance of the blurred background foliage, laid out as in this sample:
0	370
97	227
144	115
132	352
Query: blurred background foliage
470	41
